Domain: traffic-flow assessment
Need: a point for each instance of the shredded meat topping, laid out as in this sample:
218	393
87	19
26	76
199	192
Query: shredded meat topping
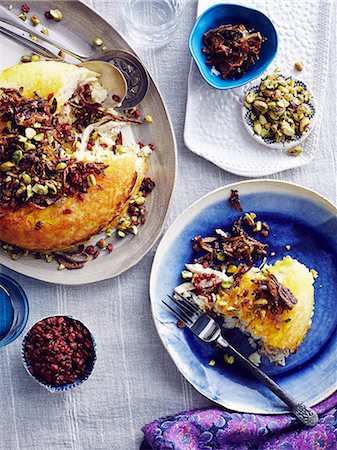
35	143
232	49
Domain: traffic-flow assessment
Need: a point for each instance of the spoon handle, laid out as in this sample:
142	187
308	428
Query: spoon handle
43	38
25	42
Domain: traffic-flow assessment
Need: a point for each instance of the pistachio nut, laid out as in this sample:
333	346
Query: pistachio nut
257	127
304	124
17	156
40	189
250	97
61	166
260	106
295	151
7	165
298	66
91	180
30	133
56	14
26	178
279	108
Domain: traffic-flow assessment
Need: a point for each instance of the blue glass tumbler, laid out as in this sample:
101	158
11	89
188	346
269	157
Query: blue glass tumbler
13	310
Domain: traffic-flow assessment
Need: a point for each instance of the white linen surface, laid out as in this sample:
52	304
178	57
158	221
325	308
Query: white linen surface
135	380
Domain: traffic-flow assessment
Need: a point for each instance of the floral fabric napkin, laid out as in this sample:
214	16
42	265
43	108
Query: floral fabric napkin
208	429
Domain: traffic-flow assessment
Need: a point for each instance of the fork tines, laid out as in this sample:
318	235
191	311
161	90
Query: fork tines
179	314
186	302
185	309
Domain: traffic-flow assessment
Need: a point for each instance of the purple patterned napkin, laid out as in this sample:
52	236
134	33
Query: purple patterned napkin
208	429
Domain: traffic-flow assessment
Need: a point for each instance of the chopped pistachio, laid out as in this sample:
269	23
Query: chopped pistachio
288	247
220	256
49	258
262	119
260	106
280	109
257	127
17	156
314	273
39	137
304	124
97	41
61	267
133	230
20	191
211	363
56	14
109	231
22	138
258	226
250	97
121	234
51	187
40	189
231	269
91	180
5	166
23	16
30	192
229	359
35	58
298	66
101	243
104	48
61	166
140	200
295	151
15	256
33	37
261	302
10	7
45	31
148	119
25	59
35	20
30	133
29	146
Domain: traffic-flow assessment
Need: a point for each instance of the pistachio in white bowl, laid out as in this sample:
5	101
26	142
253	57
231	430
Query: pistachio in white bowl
279	111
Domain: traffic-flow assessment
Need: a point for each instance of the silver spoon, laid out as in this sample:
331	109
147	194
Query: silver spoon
122	74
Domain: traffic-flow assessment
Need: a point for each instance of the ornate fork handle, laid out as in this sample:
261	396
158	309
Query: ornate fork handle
305	415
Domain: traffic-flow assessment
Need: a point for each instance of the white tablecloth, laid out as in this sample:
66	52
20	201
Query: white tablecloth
135	380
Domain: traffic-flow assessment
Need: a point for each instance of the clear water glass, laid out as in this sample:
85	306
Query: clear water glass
13	310
151	23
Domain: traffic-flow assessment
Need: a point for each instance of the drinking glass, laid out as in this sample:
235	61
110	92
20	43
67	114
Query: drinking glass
13	310
151	23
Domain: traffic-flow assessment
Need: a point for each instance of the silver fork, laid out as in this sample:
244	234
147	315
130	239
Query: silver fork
208	330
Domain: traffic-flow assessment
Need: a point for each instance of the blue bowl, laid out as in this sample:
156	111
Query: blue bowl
223	14
64	387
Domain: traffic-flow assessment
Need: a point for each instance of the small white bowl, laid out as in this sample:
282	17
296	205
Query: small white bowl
270	142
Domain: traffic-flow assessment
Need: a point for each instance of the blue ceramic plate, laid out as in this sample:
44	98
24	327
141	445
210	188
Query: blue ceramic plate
297	217
223	14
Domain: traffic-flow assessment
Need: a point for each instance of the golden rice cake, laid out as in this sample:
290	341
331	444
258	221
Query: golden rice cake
46	77
74	221
239	302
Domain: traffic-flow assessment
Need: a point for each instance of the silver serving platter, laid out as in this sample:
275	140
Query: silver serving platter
77	29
